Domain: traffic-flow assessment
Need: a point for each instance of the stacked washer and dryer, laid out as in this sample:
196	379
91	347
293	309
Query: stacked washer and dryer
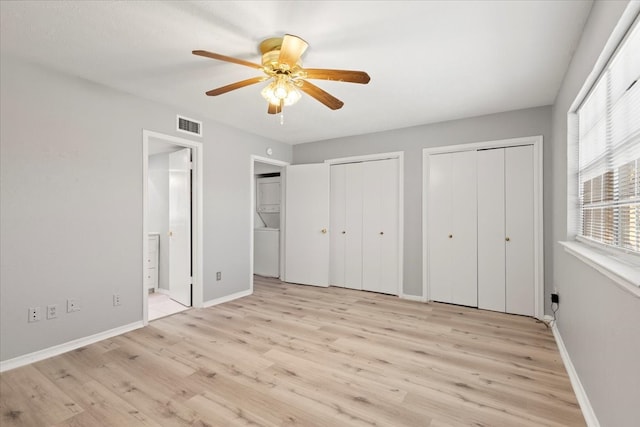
266	242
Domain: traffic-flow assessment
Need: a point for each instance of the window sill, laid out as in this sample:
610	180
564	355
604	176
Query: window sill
624	273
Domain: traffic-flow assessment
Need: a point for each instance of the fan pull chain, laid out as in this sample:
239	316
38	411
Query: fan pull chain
282	117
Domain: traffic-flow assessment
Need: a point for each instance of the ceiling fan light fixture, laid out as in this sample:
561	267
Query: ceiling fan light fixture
281	89
282	66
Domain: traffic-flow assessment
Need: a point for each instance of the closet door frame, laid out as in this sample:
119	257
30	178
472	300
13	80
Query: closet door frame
384	156
253	159
538	232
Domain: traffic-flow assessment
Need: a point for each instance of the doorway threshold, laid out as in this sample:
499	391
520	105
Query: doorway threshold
160	305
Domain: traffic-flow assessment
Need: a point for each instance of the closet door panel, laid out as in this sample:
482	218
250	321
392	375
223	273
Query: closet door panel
337	225
520	289
464	271
371	224
491	230
380	226
440	227
353	227
389	224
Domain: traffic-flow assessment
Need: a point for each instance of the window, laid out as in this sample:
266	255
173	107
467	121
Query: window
609	152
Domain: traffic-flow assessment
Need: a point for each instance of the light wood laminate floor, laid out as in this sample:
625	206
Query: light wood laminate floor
292	355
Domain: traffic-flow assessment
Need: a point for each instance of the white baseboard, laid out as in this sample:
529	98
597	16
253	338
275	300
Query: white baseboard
412	297
548	319
581	395
227	298
46	353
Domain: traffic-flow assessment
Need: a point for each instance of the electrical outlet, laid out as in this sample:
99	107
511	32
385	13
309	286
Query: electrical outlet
219	275
34	314
116	300
52	311
73	305
555	298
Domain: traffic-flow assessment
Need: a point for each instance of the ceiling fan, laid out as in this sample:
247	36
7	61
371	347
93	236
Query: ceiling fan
281	64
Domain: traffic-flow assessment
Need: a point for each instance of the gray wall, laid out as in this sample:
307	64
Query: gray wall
598	321
534	121
71	211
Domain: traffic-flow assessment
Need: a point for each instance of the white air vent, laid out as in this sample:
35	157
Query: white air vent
190	126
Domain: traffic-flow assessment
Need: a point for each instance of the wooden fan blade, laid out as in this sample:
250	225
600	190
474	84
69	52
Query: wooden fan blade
226	58
338	75
236	85
291	50
275	109
322	96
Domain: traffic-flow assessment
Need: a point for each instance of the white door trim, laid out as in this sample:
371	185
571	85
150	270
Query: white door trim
196	206
252	194
536	141
383	156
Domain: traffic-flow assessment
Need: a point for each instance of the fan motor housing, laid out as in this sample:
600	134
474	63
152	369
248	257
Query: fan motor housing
270	49
273	43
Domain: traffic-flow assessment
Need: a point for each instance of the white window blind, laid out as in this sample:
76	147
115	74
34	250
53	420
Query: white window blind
609	151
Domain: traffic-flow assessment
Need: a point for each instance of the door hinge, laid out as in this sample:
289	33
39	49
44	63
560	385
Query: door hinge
191	165
191	280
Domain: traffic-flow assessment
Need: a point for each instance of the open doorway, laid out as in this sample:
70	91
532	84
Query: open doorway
171	226
168	277
267	217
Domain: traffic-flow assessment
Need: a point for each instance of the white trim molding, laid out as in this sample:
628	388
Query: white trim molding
197	214
227	298
367	158
65	347
581	394
408	297
538	231
252	194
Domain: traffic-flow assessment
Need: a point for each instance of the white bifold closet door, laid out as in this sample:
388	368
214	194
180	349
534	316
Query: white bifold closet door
452	228
519	264
337	225
491	232
346	226
505	230
380	224
364	226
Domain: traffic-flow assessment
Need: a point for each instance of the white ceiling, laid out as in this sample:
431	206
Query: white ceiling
429	61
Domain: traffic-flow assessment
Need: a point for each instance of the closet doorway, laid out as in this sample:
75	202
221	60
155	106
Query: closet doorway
267	217
171	225
364	226
482	225
344	223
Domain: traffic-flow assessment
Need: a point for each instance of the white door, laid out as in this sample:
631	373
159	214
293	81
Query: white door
505	230
337	229
519	265
180	226
464	213
380	226
452	229
353	226
307	222
346	225
440	199
491	230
